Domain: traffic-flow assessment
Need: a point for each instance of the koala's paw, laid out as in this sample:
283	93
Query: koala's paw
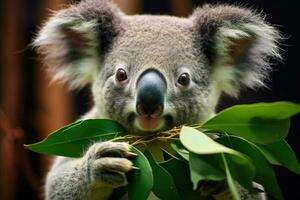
108	162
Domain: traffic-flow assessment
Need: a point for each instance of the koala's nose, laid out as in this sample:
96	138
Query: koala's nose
151	89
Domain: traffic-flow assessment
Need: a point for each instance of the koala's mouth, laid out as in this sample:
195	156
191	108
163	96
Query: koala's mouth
152	124
149	123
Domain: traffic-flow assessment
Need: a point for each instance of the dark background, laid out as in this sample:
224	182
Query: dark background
30	108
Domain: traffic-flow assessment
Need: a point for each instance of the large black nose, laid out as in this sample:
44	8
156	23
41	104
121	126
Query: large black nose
151	89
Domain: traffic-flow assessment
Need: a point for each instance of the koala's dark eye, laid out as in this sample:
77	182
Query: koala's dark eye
121	75
184	79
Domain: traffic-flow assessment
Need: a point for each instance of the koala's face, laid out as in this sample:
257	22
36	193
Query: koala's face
151	73
152	78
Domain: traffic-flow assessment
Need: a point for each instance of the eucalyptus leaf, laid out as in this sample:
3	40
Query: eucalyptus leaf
205	167
72	140
199	143
207	162
141	181
231	184
260	123
180	149
179	170
280	153
242	172
264	173
164	187
212	167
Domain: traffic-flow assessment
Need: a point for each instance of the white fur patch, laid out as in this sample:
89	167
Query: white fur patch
53	44
84	72
230	77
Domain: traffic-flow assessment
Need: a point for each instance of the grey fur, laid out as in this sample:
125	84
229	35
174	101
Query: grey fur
219	27
222	48
74	38
88	177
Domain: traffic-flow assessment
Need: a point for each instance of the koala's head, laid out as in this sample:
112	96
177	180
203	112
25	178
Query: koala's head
154	72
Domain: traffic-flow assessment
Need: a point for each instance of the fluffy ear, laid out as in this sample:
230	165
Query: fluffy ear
238	45
74	39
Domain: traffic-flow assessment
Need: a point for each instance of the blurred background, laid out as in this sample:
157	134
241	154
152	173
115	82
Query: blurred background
30	108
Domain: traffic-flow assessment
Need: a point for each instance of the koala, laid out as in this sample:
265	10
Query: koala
149	73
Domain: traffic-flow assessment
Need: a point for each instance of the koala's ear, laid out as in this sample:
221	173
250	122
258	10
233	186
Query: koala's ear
238	45
73	41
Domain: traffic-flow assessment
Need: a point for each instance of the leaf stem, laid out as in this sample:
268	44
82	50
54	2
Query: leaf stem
230	181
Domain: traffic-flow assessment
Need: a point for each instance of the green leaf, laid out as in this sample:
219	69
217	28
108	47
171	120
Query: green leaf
164	187
199	143
218	167
264	173
232	186
205	167
206	160
260	123
180	149
280	153
141	181
180	172
72	140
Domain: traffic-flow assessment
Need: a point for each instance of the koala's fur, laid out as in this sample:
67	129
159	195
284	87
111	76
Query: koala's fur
223	48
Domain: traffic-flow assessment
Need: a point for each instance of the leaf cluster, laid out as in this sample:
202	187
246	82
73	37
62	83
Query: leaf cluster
238	146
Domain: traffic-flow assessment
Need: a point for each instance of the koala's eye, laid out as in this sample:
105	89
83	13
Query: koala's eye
121	75
184	79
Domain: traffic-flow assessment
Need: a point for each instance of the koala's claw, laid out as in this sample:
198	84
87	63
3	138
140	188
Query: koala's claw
131	155
108	162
